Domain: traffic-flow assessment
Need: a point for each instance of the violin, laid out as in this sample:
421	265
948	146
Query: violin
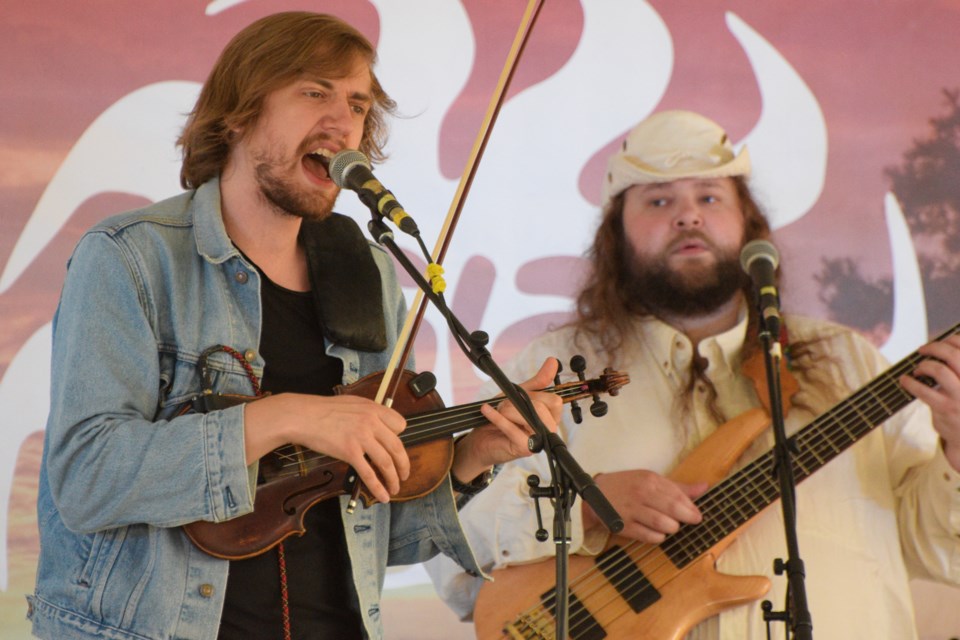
296	478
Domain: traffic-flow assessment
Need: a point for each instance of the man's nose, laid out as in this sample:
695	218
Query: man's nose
338	118
688	214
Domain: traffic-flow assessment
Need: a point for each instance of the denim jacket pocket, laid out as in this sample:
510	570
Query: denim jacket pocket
100	561
118	570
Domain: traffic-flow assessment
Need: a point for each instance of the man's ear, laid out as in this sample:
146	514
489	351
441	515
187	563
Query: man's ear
234	128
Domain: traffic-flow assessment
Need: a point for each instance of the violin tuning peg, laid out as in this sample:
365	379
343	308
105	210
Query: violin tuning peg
598	409
576	411
578	364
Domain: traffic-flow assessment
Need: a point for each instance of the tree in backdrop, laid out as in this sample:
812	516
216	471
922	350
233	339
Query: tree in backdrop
927	185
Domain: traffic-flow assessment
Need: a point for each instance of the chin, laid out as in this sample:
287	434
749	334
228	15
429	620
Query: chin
318	216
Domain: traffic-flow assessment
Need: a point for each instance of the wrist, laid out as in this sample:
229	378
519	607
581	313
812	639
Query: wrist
467	470
475	486
951	453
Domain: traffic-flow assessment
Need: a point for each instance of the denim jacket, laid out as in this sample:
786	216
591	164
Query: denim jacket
145	294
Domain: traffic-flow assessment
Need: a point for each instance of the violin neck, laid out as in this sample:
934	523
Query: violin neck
430	425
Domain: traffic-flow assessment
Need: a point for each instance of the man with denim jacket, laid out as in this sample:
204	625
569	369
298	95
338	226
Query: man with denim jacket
247	278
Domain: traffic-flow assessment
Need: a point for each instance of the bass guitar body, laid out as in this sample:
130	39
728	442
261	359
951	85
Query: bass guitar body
632	590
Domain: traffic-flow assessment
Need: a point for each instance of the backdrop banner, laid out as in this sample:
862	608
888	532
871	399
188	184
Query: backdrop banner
851	111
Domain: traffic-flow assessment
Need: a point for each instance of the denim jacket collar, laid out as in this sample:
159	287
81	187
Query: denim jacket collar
213	243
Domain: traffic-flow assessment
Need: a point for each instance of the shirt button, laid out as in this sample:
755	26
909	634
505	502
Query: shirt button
242	277
206	590
249	355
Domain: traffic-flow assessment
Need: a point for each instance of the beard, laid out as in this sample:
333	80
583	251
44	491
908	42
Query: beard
286	197
653	287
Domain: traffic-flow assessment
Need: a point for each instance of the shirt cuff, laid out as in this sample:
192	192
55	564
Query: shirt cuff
947	478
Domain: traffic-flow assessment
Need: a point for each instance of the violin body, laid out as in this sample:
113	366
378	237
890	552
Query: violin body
296	479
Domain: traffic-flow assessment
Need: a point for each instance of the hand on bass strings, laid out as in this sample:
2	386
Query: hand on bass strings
651	505
942	365
505	438
351	428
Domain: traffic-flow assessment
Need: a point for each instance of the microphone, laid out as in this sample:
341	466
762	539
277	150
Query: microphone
759	258
350	169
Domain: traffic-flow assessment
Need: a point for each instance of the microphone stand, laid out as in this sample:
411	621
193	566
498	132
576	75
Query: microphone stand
567	477
796	615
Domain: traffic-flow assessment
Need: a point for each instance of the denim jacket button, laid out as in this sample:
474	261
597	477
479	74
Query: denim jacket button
249	355
242	277
206	590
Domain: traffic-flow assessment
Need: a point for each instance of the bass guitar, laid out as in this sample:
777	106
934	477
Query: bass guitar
642	591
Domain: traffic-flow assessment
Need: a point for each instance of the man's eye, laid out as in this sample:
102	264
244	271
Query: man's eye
313	94
658	202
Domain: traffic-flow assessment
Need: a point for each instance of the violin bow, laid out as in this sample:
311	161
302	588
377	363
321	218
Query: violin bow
411	326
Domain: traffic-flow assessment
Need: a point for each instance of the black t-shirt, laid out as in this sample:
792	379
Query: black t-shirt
323	602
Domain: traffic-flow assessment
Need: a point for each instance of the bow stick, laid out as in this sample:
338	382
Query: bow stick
404	346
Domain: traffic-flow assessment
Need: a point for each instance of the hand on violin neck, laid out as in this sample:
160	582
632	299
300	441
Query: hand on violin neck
351	428
505	438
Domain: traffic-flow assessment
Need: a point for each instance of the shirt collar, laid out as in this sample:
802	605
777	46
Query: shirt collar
673	349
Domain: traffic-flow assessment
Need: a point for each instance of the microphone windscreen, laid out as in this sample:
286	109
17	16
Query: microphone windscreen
758	250
343	162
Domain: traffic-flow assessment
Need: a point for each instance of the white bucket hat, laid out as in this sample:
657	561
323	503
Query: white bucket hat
671	145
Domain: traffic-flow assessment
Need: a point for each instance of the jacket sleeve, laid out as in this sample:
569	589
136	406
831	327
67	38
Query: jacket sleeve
110	460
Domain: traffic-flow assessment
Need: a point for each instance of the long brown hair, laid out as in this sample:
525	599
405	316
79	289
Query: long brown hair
604	308
262	58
